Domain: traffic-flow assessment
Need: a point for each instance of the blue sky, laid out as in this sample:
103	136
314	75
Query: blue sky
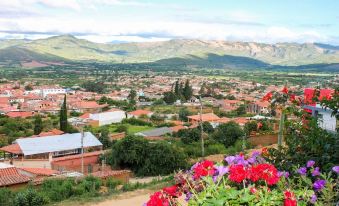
265	21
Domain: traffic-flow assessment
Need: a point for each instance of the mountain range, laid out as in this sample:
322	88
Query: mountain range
67	48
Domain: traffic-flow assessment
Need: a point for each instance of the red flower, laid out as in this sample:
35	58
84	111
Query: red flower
205	168
267	96
157	199
266	172
237	173
284	90
290	199
264	151
292	98
172	191
253	190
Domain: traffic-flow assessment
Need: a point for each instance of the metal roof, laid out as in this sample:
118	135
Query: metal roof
155	132
56	143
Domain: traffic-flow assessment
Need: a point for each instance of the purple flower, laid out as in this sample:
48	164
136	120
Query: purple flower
240	160
251	160
188	196
313	198
319	185
335	169
302	170
316	172
230	160
255	154
222	170
310	163
284	174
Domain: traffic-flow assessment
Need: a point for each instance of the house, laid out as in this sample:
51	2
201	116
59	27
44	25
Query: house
323	115
139	112
86	106
228	105
104	118
258	107
42	151
11	177
208	117
74	162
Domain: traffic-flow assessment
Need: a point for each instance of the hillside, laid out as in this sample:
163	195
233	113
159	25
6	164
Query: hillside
67	47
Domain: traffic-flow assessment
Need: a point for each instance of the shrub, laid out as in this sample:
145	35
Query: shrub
228	133
112	183
29	197
145	158
6	196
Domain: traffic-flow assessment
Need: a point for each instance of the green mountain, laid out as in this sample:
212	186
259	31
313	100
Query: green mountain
200	52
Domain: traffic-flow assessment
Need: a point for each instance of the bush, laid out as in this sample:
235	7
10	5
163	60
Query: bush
145	158
29	197
112	183
6	196
228	133
121	128
189	136
215	148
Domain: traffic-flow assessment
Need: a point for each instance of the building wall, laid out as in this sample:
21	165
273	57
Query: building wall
75	164
106	118
327	121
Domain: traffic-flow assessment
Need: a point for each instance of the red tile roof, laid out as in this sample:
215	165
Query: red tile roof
177	128
205	117
11	176
20	114
88	105
140	112
13	148
41	171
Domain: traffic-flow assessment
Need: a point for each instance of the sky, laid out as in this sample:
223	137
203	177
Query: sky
266	21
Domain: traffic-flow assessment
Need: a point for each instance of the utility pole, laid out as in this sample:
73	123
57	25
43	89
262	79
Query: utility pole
201	130
82	149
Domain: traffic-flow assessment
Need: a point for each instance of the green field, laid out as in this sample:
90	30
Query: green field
131	129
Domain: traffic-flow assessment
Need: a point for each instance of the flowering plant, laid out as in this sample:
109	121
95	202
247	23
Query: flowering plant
241	180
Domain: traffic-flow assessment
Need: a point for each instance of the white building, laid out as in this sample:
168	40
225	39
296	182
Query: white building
46	91
324	116
109	117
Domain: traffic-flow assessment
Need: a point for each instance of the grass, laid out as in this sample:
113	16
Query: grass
87	200
131	129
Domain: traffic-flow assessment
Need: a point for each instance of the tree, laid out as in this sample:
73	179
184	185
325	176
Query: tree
241	110
183	113
169	97
104	137
228	133
90	86
207	127
38	125
63	116
250	126
132	95
28	87
176	88
145	158
187	90
189	136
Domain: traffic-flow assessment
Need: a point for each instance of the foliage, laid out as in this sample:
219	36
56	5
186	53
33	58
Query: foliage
169	97
98	87
241	110
63	116
122	128
183	113
240	180
333	104
228	133
29	197
250	127
104	137
145	158
188	136
207	127
306	142
135	121
187	91
38	125
6	197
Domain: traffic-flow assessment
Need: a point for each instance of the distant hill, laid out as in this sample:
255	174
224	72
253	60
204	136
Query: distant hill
197	52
